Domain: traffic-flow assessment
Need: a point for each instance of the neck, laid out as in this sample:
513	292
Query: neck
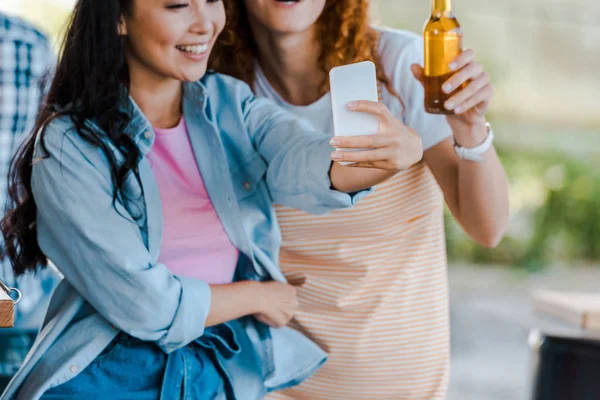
159	98
290	63
441	6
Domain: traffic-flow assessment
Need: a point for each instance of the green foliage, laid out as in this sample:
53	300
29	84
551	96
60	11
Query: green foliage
555	202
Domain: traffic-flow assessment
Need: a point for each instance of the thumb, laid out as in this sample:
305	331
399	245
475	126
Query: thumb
417	72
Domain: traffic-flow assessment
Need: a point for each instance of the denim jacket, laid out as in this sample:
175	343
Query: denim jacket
251	154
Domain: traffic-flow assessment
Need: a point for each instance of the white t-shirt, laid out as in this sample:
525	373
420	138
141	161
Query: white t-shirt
398	51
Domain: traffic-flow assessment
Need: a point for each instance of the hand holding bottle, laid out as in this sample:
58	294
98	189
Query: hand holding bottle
470	87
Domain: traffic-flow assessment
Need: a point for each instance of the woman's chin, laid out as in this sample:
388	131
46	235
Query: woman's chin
193	76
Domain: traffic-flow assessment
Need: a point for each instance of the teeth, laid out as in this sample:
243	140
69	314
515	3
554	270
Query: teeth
195	49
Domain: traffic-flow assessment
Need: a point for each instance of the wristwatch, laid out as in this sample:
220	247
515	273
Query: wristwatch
476	153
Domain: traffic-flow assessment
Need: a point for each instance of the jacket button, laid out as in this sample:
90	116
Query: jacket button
229	199
74	368
247	185
148	134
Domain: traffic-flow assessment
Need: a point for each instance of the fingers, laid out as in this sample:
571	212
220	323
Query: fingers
478	91
482	108
417	72
275	323
364	165
370	158
465	57
371	107
473	87
388	151
482	99
280	306
277	319
362	142
471	71
264	319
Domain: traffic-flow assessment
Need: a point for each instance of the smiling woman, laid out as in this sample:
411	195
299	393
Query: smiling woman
150	184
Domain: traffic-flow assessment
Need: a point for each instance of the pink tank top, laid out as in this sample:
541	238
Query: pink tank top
194	241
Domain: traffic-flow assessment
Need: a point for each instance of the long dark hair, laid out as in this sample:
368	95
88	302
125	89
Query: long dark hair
91	82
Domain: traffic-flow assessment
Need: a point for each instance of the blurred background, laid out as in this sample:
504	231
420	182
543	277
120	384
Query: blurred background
544	58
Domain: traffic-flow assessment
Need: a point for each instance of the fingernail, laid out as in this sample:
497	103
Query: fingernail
334	142
458	109
447	88
352	104
452	66
449	105
336	155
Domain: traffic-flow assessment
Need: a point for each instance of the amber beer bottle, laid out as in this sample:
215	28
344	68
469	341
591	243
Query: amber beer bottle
443	42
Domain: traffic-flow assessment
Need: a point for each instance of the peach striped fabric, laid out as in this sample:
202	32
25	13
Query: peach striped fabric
374	292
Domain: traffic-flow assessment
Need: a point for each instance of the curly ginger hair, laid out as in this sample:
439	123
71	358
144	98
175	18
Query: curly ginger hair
346	37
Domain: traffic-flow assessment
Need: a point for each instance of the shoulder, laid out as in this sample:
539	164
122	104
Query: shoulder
56	131
61	140
398	50
395	44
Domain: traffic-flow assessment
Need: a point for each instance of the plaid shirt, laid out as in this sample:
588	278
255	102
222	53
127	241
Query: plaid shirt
25	58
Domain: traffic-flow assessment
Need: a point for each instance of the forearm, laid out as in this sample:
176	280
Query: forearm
233	301
350	179
483	199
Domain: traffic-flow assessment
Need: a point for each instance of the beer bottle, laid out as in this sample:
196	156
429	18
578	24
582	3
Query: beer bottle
443	42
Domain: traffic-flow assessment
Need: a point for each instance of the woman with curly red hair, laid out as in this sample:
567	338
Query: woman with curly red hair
372	281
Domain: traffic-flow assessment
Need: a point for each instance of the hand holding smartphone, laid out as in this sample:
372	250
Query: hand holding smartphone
350	83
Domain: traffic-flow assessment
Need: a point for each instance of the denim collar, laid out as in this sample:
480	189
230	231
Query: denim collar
140	129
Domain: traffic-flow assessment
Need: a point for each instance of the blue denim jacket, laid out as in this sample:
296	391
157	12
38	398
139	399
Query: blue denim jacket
250	154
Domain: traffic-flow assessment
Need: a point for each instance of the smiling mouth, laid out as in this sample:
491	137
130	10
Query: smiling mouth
194	49
288	1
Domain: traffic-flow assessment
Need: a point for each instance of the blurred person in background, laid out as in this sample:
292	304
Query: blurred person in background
26	59
373	279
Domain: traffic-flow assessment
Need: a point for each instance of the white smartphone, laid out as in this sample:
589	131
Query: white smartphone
348	83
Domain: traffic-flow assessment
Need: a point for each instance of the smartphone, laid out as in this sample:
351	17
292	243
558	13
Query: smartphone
348	83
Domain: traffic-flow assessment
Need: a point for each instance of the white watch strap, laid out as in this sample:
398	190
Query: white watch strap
476	153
